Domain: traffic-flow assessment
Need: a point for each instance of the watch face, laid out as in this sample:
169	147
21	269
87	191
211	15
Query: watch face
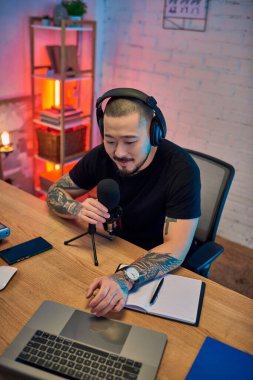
132	274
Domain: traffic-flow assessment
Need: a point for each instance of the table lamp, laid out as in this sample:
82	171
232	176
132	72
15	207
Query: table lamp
5	149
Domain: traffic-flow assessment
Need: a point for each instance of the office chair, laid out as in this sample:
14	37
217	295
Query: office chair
216	178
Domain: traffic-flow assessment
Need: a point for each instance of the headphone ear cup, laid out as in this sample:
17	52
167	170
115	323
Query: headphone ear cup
100	121
101	126
156	133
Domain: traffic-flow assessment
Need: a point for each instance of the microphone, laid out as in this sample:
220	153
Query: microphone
109	195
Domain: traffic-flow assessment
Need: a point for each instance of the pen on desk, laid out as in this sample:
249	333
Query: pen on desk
155	295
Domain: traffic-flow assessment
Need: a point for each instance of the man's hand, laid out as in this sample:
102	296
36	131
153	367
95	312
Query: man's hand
92	211
61	198
110	294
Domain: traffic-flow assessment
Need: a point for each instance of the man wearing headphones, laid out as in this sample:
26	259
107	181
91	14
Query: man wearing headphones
159	192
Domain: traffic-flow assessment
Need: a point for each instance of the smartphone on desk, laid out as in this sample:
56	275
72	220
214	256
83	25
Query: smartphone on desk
4	231
25	250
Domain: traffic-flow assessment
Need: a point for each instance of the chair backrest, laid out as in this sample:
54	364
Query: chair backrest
216	178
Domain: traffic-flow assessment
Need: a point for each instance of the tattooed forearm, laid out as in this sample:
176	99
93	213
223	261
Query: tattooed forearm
154	264
149	266
66	183
59	202
120	280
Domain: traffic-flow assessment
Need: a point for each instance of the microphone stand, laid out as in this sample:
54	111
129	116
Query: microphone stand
92	232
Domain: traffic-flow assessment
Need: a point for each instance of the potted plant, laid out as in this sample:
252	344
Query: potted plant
75	8
45	20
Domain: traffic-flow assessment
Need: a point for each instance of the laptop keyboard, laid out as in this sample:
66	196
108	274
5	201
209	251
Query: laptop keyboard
72	360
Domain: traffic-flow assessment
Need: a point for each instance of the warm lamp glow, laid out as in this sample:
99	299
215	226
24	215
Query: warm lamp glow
51	94
5	146
57	90
49	166
5	137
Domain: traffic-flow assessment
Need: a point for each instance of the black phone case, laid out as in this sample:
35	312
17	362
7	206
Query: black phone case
25	250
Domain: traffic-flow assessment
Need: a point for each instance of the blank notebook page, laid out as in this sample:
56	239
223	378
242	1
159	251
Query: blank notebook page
178	298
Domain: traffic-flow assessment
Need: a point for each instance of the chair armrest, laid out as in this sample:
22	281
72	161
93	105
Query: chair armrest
203	256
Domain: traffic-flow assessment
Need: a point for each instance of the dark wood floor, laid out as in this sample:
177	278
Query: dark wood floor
234	267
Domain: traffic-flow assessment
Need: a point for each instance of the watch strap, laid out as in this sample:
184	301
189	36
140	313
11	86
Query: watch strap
123	270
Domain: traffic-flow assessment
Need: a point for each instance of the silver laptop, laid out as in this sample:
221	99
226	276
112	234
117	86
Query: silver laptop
62	342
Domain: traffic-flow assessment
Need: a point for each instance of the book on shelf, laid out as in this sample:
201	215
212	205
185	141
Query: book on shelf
55	113
58	121
66	108
71	61
52	52
180	298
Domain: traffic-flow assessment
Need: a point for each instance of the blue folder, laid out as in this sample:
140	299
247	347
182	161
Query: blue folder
218	361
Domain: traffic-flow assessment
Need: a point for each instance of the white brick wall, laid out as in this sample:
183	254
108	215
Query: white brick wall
203	82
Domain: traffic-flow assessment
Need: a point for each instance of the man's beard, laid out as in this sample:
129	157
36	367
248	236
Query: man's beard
126	173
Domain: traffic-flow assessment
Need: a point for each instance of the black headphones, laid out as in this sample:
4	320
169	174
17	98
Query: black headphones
158	124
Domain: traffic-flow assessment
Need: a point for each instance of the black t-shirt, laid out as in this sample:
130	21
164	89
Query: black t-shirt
169	186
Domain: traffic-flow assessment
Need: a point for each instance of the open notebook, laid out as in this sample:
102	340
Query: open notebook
180	298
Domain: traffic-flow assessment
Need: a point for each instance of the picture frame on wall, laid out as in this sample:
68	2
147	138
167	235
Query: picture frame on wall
185	15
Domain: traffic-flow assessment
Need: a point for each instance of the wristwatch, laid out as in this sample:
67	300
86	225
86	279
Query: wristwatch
131	274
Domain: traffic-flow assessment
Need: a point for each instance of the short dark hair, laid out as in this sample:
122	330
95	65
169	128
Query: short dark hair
117	107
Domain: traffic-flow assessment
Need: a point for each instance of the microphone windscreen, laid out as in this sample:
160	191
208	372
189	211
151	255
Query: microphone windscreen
108	193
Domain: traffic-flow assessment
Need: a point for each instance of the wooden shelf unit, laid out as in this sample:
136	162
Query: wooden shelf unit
82	80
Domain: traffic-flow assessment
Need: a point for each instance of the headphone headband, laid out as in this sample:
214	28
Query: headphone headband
126	93
159	123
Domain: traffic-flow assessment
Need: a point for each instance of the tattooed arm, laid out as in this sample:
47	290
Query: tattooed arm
178	235
61	200
113	290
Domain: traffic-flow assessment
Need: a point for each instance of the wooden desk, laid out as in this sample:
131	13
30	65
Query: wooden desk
63	273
